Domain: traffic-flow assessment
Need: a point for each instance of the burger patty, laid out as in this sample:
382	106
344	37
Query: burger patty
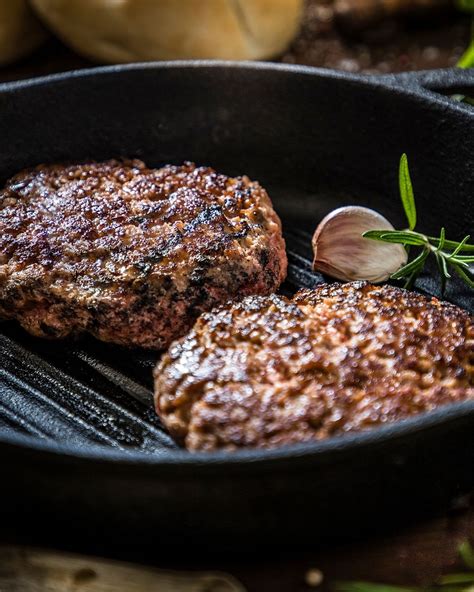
270	371
131	254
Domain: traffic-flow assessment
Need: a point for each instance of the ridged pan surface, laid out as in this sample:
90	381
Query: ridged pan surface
315	140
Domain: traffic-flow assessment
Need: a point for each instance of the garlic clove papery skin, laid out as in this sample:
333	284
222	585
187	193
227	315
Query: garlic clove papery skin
341	251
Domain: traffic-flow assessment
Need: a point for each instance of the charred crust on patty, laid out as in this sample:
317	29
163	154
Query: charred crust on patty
132	254
269	371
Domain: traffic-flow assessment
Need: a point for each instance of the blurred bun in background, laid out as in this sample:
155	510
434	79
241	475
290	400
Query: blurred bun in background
20	31
139	30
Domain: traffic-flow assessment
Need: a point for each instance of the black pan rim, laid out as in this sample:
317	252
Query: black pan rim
417	84
323	450
257	458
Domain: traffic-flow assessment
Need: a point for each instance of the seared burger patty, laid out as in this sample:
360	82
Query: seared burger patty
270	371
130	254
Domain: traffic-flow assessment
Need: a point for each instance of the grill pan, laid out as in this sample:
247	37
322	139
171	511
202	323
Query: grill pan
84	458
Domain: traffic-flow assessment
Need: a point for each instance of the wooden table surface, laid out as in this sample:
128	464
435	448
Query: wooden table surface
414	555
411	556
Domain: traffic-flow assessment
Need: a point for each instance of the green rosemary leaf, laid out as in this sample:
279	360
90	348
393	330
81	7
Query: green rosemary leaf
443	270
442	239
395	236
468	278
408	285
460	262
406	192
450	244
467	59
467	554
457	578
400	236
444	266
374	234
460	246
413	266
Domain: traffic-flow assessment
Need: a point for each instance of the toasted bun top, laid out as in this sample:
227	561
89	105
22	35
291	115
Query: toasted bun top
134	30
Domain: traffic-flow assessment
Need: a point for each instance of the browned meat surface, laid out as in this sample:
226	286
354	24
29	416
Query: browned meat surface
270	371
130	254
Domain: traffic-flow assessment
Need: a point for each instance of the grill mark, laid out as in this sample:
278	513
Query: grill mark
209	214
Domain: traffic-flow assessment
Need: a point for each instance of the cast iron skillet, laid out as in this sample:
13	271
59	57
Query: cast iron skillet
316	139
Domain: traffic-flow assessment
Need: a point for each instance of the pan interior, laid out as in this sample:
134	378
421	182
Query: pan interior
84	392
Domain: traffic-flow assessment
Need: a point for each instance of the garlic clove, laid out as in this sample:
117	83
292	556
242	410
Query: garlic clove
341	251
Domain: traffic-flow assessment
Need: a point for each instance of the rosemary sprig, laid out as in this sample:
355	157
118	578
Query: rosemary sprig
455	582
451	256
